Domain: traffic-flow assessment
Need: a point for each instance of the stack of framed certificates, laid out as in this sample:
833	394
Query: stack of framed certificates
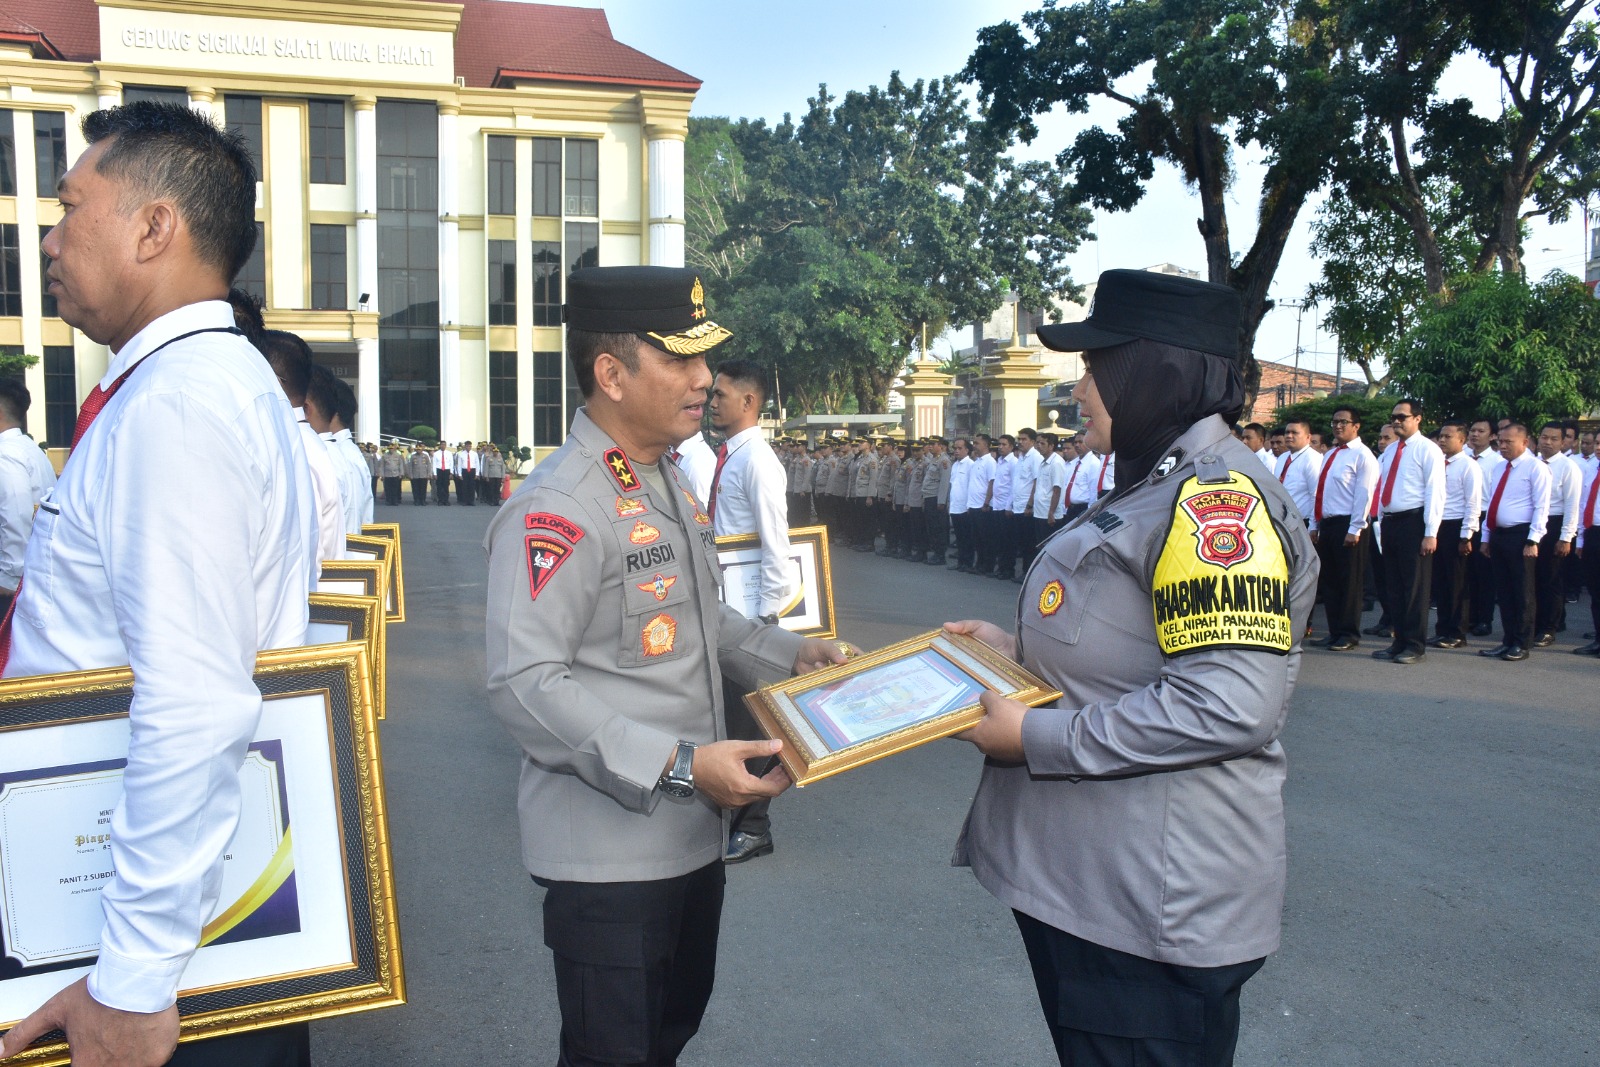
305	925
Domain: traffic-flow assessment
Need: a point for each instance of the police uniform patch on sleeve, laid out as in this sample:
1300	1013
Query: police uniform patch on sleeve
543	520
1222	580
617	463
548	547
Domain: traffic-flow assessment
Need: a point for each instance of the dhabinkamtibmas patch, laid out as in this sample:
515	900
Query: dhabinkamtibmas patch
1223	577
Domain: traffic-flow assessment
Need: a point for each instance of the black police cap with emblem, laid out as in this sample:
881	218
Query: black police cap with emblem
1132	304
664	306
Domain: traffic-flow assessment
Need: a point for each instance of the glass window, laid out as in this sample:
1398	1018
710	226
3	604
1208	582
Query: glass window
329	288
583	178
502	283
243	115
155	94
325	130
502	396
502	175
583	245
10	271
49	149
547	277
547	176
8	157
408	264
549	428
47	302
60	395
253	275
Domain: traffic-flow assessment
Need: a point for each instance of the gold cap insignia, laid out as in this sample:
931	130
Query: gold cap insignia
697	297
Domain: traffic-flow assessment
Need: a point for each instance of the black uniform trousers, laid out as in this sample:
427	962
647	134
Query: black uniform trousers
1110	1009
391	491
280	1046
634	963
1480	580
754	817
937	526
1550	593
962	522
419	491
1513	583
1450	582
1407	576
467	488
441	488
1343	572
1589	567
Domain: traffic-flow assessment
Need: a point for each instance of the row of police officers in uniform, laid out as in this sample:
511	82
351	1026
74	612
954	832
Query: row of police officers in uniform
477	471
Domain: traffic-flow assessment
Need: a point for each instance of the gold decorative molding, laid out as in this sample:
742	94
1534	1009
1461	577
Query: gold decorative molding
473	333
371	14
626	227
323	325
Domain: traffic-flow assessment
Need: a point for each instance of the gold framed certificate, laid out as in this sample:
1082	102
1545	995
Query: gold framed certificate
887	701
360	546
810	613
390	531
355	577
339	617
304	926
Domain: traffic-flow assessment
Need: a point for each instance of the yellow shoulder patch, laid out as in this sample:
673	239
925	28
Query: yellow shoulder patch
1223	577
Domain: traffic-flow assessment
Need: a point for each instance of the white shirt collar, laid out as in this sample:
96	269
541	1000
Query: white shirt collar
205	315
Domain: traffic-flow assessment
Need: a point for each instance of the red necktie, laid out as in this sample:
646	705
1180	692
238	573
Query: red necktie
1285	472
722	459
1494	501
1072	479
1588	507
1100	486
1327	465
1394	468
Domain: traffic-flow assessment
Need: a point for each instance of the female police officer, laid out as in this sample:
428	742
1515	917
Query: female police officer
1136	827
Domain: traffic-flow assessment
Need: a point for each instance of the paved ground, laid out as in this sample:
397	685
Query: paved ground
1442	889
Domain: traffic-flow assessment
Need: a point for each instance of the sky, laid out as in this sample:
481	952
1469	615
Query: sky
763	59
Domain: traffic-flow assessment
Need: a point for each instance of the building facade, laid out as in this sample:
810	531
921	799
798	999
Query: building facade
430	173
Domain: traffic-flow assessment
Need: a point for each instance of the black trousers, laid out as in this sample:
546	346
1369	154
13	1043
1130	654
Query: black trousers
1107	1008
753	818
281	1046
467	488
1450	582
961	522
441	488
1343	573
1407	575
391	490
419	491
634	963
1480	580
937	526
1513	583
1550	595
1589	568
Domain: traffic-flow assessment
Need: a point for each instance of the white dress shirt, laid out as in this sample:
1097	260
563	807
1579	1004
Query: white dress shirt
187	588
1005	474
1265	455
25	451
751	499
325	488
698	461
1052	481
1083	474
960	475
1351	479
1591	474
1419	482
1525	498
1297	472
979	481
1566	487
16	523
1463	492
1024	475
1488	462
355	483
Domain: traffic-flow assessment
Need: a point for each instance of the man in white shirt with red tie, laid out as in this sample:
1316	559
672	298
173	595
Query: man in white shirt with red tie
1561	530
1297	469
1411	507
186	588
1106	480
1083	474
1480	575
1589	534
1519	507
1463	504
1346	485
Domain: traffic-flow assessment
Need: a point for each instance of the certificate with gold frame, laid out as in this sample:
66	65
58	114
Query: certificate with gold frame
340	617
305	925
887	701
390	531
360	546
356	577
810	613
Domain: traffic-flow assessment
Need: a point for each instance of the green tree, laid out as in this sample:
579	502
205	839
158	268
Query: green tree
1216	75
714	183
1318	411
1497	346
15	366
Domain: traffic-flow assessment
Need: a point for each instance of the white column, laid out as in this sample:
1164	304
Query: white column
449	278
202	98
665	160
107	94
366	172
28	238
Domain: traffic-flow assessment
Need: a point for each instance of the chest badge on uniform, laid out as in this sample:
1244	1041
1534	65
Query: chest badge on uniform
659	635
658	586
643	533
617	463
699	516
627	507
1050	599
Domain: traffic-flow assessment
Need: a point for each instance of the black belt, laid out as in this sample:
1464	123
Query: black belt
1399	514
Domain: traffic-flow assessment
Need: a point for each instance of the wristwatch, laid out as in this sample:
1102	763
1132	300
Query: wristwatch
770	619
679	780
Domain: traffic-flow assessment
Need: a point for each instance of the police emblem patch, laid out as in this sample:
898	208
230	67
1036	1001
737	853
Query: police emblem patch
1221	520
1050	598
643	533
555	524
620	469
659	635
658	585
628	507
545	557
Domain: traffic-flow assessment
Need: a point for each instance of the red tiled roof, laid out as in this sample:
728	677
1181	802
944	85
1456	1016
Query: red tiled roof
58	29
500	40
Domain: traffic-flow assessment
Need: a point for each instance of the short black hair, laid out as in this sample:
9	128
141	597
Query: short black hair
1355	416
247	315
746	372
1515	424
585	346
173	151
1028	432
15	400
322	391
1460	424
1297	421
346	397
1412	403
1049	438
1256	427
291	361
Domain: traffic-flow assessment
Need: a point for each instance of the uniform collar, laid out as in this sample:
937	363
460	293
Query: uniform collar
205	315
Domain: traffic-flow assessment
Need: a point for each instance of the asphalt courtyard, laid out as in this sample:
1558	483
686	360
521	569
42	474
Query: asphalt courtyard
1444	866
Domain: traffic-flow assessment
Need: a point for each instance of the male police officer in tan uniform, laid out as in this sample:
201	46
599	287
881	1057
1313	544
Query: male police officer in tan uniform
606	643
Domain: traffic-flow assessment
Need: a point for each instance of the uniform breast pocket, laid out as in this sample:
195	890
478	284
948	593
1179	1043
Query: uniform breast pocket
657	622
39	562
1062	585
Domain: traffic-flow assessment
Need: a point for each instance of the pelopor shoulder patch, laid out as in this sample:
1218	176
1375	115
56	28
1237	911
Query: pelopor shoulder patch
1222	580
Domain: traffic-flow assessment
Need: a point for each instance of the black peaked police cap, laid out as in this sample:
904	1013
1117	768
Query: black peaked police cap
664	306
1133	304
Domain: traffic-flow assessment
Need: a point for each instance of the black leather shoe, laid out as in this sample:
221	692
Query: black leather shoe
743	846
1344	644
1590	636
1514	653
1544	640
1591	649
1405	657
1447	642
1378	631
1483	629
1495	652
1321	642
1384	653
